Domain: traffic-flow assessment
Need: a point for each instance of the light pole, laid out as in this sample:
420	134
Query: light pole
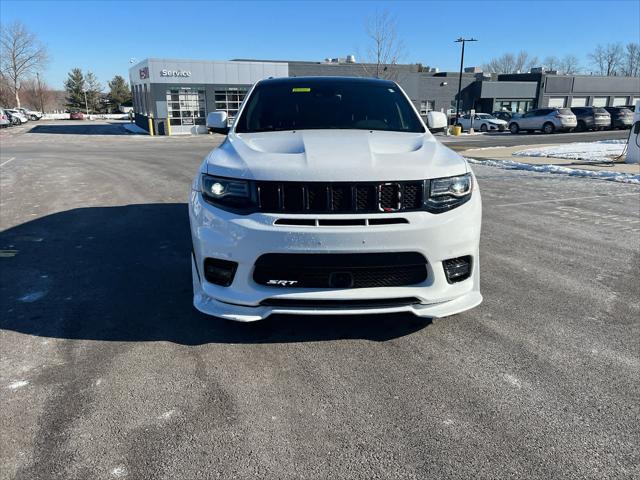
40	92
463	41
86	104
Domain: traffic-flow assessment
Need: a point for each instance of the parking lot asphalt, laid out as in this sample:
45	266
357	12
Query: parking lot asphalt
106	370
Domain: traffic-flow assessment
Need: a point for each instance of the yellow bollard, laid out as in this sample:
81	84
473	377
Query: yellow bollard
168	132
150	119
457	130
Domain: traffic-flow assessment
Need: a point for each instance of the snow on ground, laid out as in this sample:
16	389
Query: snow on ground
574	172
602	151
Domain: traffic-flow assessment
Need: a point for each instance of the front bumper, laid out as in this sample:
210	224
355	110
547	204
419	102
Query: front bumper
242	239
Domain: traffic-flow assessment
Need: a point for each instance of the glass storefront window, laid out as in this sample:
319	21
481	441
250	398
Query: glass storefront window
513	106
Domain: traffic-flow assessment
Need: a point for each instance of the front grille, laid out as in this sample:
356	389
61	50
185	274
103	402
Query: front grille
360	197
353	270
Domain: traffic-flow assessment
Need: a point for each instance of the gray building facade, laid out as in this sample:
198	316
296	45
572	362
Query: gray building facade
173	96
579	90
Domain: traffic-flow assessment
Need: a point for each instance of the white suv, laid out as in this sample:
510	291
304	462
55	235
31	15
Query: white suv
330	196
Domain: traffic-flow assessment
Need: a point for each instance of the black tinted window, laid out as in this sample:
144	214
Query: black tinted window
322	104
599	110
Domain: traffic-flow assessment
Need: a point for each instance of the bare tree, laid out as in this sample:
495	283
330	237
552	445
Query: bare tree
607	59
552	63
570	65
511	63
37	94
21	55
385	48
631	62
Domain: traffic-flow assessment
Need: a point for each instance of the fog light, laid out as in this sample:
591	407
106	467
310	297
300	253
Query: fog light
457	269
220	272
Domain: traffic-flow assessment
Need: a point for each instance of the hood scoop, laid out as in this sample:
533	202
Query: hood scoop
293	143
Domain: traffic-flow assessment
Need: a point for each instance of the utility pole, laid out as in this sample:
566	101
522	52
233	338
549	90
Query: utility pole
85	101
40	93
463	41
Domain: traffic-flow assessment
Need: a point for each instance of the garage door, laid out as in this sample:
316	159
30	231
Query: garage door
600	101
579	102
557	102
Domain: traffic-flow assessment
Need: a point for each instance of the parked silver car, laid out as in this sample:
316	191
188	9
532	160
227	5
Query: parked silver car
4	119
548	120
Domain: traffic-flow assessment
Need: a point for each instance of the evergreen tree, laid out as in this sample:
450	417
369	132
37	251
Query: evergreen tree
94	90
119	92
75	86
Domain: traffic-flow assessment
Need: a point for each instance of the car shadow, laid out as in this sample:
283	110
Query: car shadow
124	274
81	128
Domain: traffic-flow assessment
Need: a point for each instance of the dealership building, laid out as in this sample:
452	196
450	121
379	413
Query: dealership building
173	96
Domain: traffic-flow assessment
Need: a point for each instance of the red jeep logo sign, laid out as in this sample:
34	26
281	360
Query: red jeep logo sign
144	73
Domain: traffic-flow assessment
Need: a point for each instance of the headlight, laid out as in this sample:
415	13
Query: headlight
447	193
228	193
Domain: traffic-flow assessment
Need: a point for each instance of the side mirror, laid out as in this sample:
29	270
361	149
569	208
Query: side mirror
217	122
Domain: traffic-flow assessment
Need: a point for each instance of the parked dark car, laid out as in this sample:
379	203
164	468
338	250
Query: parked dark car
621	117
591	118
76	116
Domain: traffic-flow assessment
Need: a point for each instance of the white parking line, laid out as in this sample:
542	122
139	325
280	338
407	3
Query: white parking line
565	199
4	163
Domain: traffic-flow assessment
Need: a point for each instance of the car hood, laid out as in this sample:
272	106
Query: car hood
496	121
333	156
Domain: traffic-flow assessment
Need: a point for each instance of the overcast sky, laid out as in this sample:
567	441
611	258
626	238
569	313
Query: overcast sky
102	36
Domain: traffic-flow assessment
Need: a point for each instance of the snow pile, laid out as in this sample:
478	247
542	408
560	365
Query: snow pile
574	172
602	151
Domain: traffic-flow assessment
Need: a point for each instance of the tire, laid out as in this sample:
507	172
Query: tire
483	127
33	117
548	128
582	127
514	128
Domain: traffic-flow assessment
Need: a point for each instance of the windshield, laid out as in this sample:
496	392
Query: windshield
322	104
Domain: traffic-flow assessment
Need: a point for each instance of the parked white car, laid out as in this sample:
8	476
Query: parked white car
16	117
4	119
30	114
483	122
330	196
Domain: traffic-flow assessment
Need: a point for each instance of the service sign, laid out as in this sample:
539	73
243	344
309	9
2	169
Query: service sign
174	73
